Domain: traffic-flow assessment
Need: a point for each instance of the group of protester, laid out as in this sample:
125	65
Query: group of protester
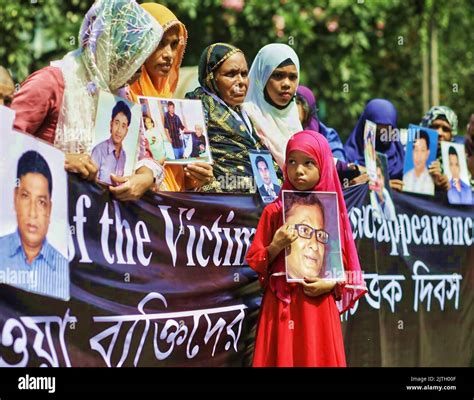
263	108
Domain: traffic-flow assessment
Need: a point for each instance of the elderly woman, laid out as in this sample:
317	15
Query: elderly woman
58	103
444	120
223	76
159	78
270	101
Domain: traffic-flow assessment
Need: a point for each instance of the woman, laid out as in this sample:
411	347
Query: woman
445	121
383	113
58	103
306	103
270	101
159	78
223	76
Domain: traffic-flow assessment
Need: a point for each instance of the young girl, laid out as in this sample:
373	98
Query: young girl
299	324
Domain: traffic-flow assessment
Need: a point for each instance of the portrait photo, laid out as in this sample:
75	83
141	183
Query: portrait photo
175	130
420	153
34	224
316	252
266	179
370	130
455	168
116	137
381	194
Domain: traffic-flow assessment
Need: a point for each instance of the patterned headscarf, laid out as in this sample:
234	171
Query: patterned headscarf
441	111
116	38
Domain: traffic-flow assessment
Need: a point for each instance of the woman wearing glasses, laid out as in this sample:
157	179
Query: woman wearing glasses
299	322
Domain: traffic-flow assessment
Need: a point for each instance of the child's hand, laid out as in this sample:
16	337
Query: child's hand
283	237
314	287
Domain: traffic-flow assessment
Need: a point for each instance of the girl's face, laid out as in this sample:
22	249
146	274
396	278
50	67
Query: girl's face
282	84
148	123
302	170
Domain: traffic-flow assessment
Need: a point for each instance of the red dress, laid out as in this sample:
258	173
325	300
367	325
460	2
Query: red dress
304	333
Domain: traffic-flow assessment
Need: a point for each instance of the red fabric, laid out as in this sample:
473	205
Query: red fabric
38	102
303	331
316	146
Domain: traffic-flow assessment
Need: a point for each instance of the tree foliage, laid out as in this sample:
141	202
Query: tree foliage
350	50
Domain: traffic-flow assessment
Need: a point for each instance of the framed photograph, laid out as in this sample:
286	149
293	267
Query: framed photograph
421	151
381	194
455	168
370	130
116	139
265	176
317	250
34	219
175	130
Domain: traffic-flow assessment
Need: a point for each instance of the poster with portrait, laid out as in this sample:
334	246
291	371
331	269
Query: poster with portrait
116	137
265	176
175	130
313	218
34	224
422	144
370	130
381	194
7	116
455	168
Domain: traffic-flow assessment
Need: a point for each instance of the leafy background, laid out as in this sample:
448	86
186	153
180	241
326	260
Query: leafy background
350	50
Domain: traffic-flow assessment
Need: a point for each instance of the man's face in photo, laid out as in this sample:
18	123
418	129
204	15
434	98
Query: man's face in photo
421	153
380	180
454	166
264	172
119	128
171	109
33	208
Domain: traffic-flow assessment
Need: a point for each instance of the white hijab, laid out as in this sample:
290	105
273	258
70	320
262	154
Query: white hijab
274	126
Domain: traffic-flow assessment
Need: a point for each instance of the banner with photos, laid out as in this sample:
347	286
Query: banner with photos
163	282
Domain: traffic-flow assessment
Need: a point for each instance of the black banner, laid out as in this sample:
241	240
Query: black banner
163	282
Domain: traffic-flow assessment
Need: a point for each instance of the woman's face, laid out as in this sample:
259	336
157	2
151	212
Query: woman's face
159	64
282	85
306	256
302	170
232	80
444	129
148	123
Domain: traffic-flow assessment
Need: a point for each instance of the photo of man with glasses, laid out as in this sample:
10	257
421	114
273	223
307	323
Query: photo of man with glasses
307	255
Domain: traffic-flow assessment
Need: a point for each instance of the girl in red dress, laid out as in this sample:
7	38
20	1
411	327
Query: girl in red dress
299	324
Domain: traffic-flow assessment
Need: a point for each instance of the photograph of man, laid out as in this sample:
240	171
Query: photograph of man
173	127
268	188
196	145
460	192
110	155
27	249
418	179
380	196
305	257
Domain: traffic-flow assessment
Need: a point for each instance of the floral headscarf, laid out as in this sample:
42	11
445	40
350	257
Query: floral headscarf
436	112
